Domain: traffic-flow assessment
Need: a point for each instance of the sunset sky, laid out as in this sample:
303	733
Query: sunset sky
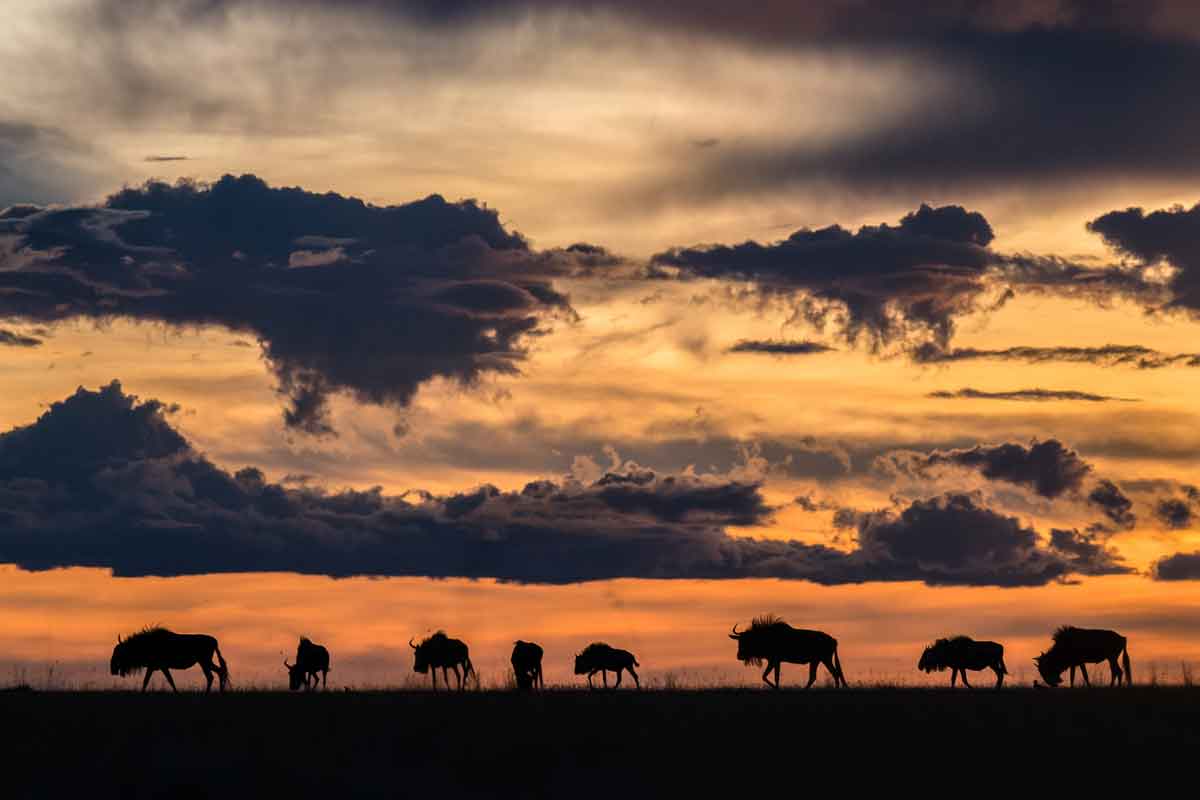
614	320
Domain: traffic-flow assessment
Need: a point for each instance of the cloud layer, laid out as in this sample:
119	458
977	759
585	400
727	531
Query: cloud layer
104	480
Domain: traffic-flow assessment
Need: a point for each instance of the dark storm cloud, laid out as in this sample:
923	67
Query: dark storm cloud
1109	355
1180	506
103	480
883	282
343	296
780	348
13	339
1035	395
1177	567
1031	107
1048	468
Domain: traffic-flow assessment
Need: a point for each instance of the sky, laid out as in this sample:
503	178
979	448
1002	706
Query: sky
574	321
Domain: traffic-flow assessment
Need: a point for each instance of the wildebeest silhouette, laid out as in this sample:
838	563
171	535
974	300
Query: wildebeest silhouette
961	653
1074	647
163	650
600	657
771	639
439	650
527	665
311	659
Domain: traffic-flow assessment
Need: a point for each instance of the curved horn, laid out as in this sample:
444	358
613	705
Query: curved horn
119	638
410	644
735	634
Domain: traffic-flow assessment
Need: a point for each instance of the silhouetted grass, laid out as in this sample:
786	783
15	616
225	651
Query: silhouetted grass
567	743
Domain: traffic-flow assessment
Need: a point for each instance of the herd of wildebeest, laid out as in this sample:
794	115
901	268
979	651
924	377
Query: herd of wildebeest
768	639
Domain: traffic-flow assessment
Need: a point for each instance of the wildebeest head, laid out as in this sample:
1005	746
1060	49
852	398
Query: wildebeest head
754	644
928	660
1049	669
119	665
296	675
430	652
591	658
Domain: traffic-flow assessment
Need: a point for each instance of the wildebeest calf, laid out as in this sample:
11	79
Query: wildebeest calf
599	657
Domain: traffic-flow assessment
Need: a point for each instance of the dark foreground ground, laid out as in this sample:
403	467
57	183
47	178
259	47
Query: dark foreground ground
577	744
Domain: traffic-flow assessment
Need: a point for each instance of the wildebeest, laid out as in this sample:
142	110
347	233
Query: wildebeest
527	665
163	650
310	660
599	657
961	653
1074	647
771	639
439	650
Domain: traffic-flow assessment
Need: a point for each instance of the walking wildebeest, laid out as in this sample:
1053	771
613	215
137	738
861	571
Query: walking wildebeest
527	665
772	640
599	657
440	650
1074	647
961	653
310	660
162	650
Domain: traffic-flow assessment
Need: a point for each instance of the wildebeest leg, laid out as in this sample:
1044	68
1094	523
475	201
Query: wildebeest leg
1072	675
433	675
953	677
812	674
633	675
617	685
541	684
1083	669
828	662
604	674
999	676
458	678
324	679
207	670
766	672
964	674
1116	671
146	680
590	684
167	674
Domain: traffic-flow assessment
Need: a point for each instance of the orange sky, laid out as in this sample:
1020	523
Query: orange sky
597	127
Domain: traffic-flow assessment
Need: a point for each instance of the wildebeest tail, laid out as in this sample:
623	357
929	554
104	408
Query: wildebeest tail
224	673
1125	664
635	663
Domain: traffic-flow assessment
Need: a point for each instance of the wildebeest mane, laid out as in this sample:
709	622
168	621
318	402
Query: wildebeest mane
766	621
595	648
1063	630
132	657
938	652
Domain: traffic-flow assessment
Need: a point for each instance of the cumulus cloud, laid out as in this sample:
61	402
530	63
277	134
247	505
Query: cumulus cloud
1032	395
1113	502
104	480
1171	236
382	299
1048	467
881	282
1177	567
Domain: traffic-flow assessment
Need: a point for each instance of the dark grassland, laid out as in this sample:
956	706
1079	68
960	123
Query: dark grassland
579	744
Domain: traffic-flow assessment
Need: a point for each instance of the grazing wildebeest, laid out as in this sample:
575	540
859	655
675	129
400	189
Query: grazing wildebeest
599	657
162	650
527	665
772	640
310	660
440	650
1074	647
961	653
